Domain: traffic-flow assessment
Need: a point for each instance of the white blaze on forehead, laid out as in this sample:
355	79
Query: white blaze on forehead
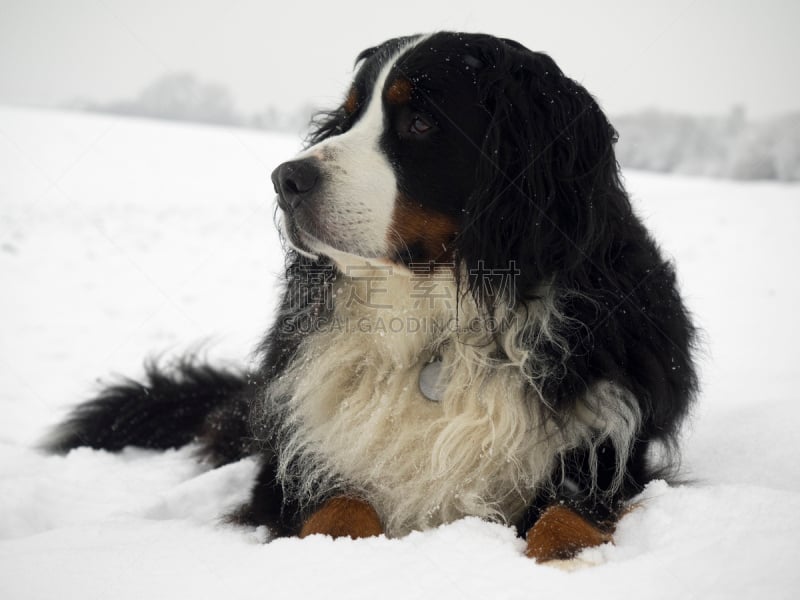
361	183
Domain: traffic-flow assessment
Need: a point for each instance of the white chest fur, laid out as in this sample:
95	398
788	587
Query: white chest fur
355	414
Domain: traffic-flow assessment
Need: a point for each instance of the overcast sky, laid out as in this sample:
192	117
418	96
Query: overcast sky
701	56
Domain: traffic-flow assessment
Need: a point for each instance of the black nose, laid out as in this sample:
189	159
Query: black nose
294	181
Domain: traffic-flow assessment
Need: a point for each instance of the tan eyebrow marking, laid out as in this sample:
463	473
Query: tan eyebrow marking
351	103
399	92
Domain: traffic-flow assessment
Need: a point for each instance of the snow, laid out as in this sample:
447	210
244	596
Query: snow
730	146
120	238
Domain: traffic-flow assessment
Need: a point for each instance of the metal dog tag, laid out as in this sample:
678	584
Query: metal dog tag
429	381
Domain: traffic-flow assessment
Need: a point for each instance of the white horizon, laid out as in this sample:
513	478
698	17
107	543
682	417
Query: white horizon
688	57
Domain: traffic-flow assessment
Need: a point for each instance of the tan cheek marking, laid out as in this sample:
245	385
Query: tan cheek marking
351	103
344	517
414	224
399	92
561	533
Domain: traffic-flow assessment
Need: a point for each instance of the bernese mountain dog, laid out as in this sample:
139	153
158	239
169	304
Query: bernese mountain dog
474	321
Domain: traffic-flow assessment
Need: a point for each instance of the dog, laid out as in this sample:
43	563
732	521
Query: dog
474	322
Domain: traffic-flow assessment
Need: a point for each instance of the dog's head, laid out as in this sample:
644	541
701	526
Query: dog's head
462	149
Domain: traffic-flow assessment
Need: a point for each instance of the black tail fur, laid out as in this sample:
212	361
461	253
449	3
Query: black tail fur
169	409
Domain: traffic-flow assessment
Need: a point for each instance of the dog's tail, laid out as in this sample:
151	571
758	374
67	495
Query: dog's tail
169	409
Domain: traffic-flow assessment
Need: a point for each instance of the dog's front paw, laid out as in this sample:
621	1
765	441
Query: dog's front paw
561	533
343	516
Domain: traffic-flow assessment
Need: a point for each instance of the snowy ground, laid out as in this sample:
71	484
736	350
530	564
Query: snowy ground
123	238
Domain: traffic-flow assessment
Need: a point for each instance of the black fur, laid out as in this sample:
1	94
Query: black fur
539	188
169	409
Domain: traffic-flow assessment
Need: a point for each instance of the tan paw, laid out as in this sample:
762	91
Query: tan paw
344	517
560	533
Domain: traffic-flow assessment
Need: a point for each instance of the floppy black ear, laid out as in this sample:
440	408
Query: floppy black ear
548	187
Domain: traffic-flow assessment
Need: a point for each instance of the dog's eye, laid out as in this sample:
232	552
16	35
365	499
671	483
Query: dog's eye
419	125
